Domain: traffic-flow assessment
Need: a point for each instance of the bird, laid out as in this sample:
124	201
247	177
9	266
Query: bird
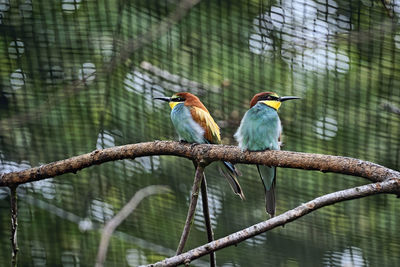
194	124
260	129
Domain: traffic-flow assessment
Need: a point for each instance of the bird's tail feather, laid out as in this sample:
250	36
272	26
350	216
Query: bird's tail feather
268	178
231	173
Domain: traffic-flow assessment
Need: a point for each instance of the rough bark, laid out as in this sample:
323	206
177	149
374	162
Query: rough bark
205	154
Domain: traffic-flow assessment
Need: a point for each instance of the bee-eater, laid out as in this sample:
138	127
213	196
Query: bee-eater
260	129
194	124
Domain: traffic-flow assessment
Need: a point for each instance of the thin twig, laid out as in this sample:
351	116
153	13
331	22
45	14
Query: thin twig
14	225
198	177
388	186
207	153
206	213
129	207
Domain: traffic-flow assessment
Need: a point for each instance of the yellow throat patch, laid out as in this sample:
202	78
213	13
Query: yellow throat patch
271	103
173	104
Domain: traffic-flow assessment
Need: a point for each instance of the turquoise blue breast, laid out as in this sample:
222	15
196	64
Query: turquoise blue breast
260	129
187	129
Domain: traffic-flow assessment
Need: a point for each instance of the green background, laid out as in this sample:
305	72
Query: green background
69	86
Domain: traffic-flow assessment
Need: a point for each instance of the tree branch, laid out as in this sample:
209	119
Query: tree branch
207	220
206	154
198	177
129	207
390	107
14	225
388	181
195	87
389	186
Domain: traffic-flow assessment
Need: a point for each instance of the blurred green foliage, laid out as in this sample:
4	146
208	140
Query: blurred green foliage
64	90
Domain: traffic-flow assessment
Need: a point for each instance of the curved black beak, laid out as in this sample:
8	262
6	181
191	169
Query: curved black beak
166	99
284	98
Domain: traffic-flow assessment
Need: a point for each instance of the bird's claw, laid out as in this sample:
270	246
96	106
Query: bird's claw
192	145
184	142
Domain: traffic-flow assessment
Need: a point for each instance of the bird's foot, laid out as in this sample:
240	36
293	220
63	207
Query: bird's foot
184	142
192	145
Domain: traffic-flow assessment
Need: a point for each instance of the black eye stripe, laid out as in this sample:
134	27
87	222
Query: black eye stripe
177	99
269	97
